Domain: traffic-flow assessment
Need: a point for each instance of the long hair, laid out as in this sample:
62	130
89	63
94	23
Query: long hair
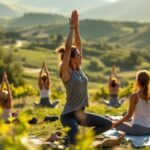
142	81
114	82
44	77
4	98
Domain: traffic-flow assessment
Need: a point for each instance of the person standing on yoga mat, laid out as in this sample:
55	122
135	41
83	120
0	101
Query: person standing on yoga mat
44	84
76	85
139	108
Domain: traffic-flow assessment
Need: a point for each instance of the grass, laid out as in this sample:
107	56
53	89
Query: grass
31	61
104	52
32	66
44	129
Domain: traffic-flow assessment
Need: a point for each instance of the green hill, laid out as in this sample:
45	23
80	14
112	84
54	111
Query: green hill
36	19
122	10
125	44
89	28
138	37
131	34
7	12
95	28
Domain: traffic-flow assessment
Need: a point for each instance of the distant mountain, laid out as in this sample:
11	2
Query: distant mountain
36	19
122	33
139	37
64	6
122	10
7	12
91	29
132	34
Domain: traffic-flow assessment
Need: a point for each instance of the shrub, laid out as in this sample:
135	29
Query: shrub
127	90
102	93
21	91
95	65
14	69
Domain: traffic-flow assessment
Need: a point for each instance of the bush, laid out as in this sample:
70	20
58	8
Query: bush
21	91
102	93
95	65
12	134
57	93
14	69
126	91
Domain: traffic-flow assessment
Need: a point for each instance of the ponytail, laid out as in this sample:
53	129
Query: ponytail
61	50
147	90
143	80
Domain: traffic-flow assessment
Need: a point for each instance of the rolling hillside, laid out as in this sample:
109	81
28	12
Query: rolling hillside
35	19
138	38
125	44
132	34
7	12
94	28
122	10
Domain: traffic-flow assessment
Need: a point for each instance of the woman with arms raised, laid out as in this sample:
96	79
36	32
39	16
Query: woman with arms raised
76	82
5	99
44	84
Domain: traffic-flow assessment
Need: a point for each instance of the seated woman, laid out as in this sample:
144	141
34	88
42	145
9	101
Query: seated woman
139	108
5	99
114	85
44	86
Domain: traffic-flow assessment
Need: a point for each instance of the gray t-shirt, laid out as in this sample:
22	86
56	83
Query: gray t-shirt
77	92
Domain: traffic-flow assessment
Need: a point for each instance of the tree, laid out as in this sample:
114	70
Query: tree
59	39
13	69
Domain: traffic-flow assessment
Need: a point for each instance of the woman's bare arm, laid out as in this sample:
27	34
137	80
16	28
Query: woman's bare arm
1	87
77	36
40	74
9	101
133	101
64	68
48	76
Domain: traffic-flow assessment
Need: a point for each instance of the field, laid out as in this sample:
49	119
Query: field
27	48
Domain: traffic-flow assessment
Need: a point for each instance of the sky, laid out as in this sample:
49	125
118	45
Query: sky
111	0
43	0
52	5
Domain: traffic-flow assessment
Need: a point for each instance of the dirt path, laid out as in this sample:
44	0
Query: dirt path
20	43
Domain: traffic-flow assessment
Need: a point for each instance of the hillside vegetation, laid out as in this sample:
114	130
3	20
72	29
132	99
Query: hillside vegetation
33	38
